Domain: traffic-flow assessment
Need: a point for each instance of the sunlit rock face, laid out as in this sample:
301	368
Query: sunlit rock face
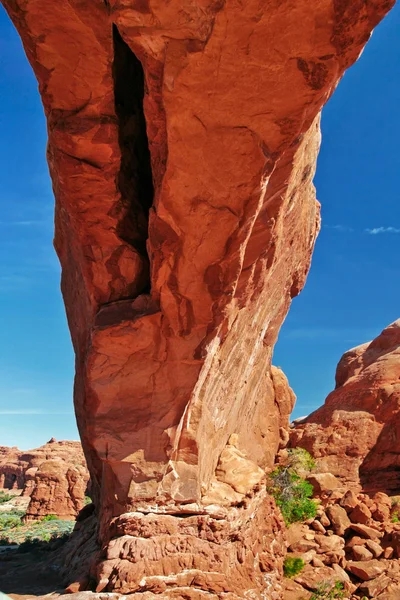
183	138
356	433
54	476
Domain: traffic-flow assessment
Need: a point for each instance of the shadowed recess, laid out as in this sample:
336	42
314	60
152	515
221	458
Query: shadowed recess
135	180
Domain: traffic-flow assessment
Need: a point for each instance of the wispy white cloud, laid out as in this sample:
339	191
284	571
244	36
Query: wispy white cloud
32	223
10	283
377	230
370	231
340	228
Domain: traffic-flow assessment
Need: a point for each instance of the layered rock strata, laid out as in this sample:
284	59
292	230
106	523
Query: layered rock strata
182	145
55	477
355	434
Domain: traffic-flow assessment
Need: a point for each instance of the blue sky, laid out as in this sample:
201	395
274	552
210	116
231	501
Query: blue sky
353	288
352	291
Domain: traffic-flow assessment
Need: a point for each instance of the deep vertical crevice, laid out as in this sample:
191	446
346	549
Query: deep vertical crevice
135	181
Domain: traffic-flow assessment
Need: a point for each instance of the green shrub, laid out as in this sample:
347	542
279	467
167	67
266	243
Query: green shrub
395	517
15	513
49	518
300	460
10	520
292	565
329	591
293	495
88	500
5	497
51	530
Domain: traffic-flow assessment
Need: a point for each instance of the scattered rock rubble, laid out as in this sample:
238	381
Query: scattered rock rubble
354	539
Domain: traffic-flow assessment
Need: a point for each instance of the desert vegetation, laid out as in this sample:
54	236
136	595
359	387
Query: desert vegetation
292	493
13	529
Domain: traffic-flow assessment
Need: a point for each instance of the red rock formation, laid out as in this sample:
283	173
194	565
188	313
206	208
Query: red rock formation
182	145
54	476
354	434
59	488
11	470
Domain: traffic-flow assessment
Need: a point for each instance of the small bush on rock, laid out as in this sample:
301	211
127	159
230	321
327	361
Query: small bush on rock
301	460
5	497
292	566
329	591
291	492
49	518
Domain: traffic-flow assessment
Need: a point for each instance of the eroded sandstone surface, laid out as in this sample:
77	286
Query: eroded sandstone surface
183	138
54	476
352	540
355	434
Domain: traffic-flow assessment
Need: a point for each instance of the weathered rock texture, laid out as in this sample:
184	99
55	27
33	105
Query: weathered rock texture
355	434
353	539
54	476
183	138
12	470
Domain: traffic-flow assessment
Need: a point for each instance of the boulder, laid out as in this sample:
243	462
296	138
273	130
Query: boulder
392	592
355	541
366	532
311	577
388	552
294	591
375	586
381	513
323	482
366	570
295	533
338	518
318	527
360	514
375	548
330	548
361	553
349	501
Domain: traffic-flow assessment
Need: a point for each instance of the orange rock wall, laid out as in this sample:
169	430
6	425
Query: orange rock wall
354	434
183	138
54	476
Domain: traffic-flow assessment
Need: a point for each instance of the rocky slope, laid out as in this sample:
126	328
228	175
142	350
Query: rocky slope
355	434
183	138
353	540
55	477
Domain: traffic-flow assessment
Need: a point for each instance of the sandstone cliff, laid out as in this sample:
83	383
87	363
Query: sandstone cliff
55	477
12	469
355	434
183	138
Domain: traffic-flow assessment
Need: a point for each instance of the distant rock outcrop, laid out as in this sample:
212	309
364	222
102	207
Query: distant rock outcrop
356	434
55	477
12	468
